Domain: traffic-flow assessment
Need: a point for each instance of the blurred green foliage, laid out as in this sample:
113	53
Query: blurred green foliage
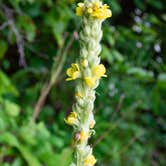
130	107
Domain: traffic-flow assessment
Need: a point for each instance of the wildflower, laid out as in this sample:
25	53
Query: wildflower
73	72
95	9
101	12
94	13
79	9
83	136
90	161
99	71
89	8
84	63
78	95
90	81
71	119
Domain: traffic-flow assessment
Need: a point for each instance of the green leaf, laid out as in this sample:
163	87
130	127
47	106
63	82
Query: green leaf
156	4
17	162
66	154
2	123
6	164
26	23
9	139
162	80
117	55
29	138
11	109
106	55
3	48
140	73
29	156
6	85
58	29
115	7
42	130
139	4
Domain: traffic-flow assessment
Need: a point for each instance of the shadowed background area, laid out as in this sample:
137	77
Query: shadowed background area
38	42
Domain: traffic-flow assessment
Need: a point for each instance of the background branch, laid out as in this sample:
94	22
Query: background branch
19	40
56	70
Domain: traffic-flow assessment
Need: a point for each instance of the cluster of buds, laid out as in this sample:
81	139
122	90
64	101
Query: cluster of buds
95	9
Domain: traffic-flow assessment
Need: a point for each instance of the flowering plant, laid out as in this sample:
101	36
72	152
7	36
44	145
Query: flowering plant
87	71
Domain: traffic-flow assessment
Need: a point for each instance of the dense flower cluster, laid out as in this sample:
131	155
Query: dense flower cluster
96	10
90	160
97	72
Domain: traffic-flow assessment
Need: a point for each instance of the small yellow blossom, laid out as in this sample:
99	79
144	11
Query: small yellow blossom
90	161
78	95
73	72
84	62
71	119
79	9
80	4
83	136
95	9
90	10
96	5
90	81
102	12
92	124
99	71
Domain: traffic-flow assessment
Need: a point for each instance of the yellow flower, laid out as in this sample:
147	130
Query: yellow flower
71	119
99	71
95	9
78	95
79	9
90	10
90	161
101	11
96	5
90	81
83	136
84	62
73	72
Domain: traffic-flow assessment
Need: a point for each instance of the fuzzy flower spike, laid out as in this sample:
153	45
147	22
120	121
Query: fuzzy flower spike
87	73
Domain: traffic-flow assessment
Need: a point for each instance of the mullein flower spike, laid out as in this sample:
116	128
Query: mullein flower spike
87	72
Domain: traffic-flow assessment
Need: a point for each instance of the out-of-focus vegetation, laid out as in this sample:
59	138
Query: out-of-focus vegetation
38	41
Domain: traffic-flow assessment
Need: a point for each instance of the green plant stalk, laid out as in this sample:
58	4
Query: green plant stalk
90	37
89	70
